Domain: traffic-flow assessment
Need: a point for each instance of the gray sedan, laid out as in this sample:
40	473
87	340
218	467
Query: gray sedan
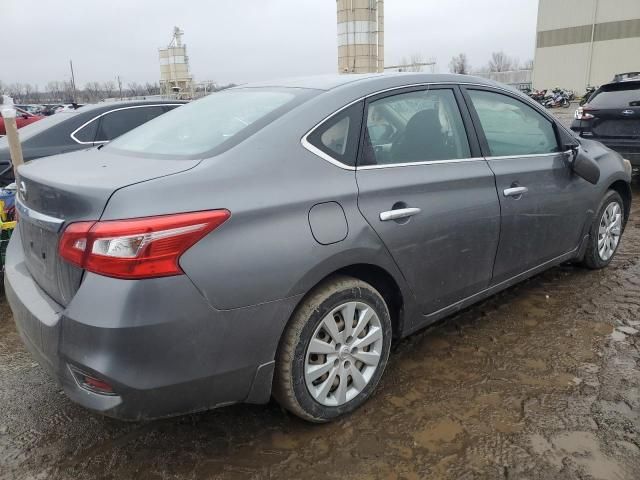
274	239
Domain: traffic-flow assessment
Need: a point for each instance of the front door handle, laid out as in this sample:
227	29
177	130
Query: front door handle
515	191
399	213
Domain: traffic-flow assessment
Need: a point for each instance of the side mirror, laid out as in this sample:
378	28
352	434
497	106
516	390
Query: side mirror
581	164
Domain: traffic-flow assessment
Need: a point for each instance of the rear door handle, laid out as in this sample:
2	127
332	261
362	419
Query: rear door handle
515	191
399	213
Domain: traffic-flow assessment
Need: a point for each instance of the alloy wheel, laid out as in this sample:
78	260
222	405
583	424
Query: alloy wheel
609	231
343	353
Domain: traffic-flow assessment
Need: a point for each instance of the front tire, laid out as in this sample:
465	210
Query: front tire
334	350
606	231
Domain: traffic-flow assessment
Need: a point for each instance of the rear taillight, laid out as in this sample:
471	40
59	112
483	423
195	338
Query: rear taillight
583	114
139	247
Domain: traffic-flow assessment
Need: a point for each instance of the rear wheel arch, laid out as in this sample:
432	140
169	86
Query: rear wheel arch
378	277
624	190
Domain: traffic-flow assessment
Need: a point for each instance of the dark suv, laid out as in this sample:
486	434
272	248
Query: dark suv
612	116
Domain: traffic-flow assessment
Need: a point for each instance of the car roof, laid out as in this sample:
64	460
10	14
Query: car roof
125	103
329	82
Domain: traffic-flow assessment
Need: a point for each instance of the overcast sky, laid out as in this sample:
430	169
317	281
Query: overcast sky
242	40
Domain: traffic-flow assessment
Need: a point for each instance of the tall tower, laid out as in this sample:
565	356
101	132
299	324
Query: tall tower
360	36
175	77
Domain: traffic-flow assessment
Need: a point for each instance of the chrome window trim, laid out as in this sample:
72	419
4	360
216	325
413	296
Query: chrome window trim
316	151
509	157
426	162
73	134
47	222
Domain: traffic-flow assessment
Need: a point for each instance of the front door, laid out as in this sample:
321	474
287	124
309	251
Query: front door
427	193
544	205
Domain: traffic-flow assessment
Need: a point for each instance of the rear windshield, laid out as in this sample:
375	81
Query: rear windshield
617	96
210	124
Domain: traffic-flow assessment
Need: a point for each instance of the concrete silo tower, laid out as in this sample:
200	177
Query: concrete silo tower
175	77
360	36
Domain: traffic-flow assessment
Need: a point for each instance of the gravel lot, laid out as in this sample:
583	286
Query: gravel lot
539	382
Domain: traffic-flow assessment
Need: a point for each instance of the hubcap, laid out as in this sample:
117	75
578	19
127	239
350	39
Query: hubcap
343	354
609	231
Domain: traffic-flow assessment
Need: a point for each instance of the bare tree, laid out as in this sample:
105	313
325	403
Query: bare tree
53	91
109	88
412	64
528	65
16	91
135	89
2	87
93	91
460	64
28	93
152	88
501	62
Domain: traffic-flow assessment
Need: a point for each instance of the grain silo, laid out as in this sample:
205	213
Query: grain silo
175	77
360	36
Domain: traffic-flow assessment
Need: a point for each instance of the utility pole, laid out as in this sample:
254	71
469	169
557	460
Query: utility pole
119	86
73	82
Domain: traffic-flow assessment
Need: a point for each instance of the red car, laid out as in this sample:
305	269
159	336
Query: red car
22	118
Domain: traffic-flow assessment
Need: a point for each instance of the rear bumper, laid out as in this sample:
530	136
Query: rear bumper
628	148
164	349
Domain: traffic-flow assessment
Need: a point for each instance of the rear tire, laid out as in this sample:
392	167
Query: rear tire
334	350
606	232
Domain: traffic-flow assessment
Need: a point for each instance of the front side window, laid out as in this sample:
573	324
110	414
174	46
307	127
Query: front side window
512	127
413	127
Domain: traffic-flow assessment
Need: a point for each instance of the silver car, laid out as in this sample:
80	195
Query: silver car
274	239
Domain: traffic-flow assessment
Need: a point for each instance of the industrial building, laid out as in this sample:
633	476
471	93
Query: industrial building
585	42
175	77
360	36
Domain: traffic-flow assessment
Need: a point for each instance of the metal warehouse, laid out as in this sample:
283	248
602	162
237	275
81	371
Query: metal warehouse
585	42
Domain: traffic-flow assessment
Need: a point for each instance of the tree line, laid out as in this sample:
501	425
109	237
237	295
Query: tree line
64	91
499	62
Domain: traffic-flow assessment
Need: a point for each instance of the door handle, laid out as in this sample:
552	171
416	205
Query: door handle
399	213
515	191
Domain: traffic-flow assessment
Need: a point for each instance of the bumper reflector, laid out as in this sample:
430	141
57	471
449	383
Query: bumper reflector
91	382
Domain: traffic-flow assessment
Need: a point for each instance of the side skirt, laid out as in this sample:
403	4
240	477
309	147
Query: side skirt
477	297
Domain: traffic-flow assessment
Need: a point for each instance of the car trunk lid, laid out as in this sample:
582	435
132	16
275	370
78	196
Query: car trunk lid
615	122
56	191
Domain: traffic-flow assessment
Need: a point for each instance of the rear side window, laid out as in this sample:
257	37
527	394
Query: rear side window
414	127
512	127
114	124
338	136
618	96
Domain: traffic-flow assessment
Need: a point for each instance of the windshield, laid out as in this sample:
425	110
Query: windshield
618	96
224	117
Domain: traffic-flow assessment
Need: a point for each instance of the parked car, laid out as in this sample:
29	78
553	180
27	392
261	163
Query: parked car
33	109
23	119
80	129
68	107
612	116
260	241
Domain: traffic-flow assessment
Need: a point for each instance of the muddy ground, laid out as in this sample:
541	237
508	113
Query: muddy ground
539	382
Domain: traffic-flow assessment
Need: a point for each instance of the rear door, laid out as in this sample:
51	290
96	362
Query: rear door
427	194
543	203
